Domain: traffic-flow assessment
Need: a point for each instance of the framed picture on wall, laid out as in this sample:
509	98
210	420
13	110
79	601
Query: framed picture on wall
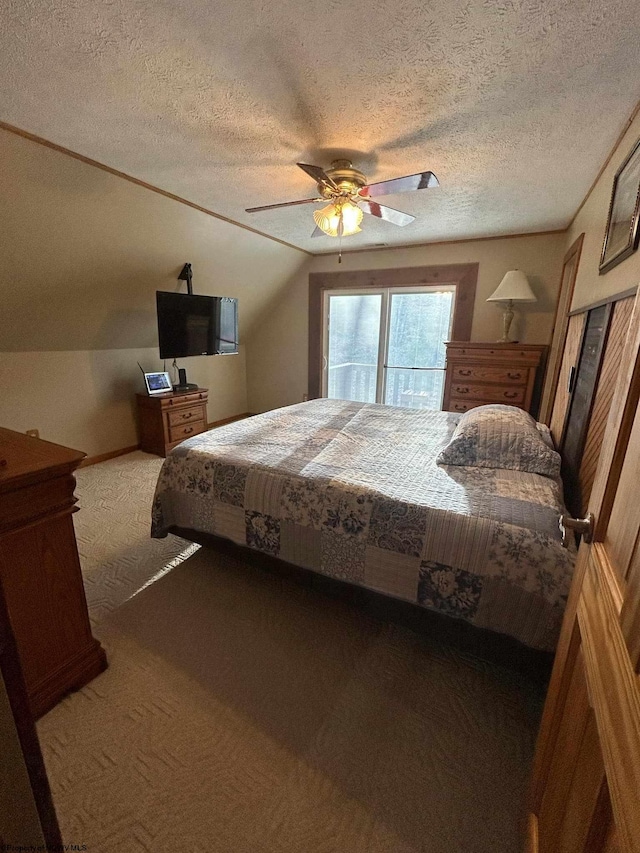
621	237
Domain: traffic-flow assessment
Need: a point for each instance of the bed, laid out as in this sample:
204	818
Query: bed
353	491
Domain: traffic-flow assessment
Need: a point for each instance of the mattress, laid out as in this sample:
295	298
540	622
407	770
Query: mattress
352	490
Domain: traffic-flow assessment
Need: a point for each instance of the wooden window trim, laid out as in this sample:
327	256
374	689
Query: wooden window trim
463	276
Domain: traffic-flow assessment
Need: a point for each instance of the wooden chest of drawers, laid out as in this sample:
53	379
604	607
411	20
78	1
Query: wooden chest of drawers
40	571
479	373
165	420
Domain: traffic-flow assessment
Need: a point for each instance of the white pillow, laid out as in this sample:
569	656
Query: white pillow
499	436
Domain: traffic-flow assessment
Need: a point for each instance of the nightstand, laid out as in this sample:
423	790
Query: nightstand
164	420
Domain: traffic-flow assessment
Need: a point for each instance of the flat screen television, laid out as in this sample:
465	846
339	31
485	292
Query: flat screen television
196	325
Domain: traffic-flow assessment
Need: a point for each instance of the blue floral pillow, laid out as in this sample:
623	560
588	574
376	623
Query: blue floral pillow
500	437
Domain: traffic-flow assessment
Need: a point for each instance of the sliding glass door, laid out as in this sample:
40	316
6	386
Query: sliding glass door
353	346
387	345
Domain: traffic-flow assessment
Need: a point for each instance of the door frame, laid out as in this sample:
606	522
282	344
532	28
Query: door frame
463	276
560	328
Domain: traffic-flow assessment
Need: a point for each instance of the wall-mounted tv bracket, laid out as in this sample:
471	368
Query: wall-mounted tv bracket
186	275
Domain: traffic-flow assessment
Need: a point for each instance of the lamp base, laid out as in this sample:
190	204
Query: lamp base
507	317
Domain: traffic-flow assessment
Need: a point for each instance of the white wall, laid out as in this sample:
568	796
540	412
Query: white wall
86	398
82	252
592	221
277	355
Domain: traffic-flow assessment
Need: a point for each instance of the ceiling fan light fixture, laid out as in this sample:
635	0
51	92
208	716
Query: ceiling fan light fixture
328	219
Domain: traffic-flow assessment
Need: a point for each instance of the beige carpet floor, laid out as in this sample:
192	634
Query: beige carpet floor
244	713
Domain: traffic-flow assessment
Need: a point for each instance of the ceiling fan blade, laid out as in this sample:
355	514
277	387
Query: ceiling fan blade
283	204
386	213
421	181
317	232
318	175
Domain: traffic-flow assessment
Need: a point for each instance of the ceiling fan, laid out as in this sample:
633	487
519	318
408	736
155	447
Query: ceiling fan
350	197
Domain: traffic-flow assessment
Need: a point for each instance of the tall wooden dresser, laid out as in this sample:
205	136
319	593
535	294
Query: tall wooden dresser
40	569
481	373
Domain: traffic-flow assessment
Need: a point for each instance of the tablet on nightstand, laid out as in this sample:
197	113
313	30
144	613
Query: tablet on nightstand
158	383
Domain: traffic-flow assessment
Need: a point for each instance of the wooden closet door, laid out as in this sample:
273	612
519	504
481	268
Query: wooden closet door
586	779
574	433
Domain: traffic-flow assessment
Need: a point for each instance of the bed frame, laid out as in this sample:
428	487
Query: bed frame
469	639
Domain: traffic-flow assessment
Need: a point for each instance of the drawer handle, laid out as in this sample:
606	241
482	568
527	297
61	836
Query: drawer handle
464	372
187	415
514	375
510	394
461	390
188	429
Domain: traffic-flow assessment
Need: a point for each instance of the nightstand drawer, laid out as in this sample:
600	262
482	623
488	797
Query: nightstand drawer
167	419
181	398
186	416
487	393
179	433
500	375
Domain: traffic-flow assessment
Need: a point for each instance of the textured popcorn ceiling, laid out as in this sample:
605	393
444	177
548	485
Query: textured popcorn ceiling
513	104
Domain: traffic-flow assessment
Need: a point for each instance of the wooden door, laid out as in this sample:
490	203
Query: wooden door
574	433
586	781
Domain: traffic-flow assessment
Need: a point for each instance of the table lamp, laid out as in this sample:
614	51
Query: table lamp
514	287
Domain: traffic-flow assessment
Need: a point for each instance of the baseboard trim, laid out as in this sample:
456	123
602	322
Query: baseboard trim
113	454
230	420
532	840
103	457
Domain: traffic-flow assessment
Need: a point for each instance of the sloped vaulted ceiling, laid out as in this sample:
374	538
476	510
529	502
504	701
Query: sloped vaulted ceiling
512	103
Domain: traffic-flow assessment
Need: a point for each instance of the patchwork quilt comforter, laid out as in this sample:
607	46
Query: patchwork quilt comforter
352	490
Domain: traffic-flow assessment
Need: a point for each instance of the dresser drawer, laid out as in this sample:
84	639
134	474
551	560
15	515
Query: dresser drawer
487	393
186	416
520	356
179	433
461	406
482	373
479	373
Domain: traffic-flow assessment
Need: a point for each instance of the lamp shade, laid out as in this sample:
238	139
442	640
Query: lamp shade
514	287
329	218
